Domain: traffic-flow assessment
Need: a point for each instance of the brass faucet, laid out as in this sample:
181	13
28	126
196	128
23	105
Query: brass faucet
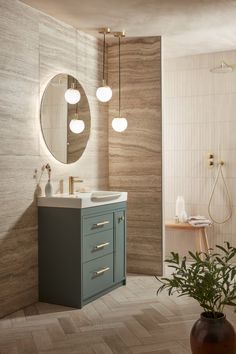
72	181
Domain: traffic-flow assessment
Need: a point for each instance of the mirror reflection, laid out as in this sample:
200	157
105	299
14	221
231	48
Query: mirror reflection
65	118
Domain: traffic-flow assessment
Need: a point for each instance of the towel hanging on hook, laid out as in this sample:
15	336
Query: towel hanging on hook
220	173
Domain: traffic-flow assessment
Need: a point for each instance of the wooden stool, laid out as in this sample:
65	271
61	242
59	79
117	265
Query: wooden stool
203	244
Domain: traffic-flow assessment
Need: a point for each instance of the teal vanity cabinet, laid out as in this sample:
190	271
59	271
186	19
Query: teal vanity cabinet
81	252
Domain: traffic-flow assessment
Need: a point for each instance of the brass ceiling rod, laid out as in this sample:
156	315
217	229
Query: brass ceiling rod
104	31
119	124
119	35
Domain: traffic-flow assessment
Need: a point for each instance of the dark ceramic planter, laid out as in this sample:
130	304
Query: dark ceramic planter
213	336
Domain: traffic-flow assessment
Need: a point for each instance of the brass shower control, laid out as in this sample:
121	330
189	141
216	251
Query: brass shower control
210	160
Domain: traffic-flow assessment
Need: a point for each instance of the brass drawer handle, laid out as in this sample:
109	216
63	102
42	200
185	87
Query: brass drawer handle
102	245
102	223
101	271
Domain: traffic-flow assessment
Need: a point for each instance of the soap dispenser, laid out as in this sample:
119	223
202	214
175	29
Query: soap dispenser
180	209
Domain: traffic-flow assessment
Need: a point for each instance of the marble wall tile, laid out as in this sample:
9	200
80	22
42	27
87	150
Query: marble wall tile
35	47
19	154
19	56
135	156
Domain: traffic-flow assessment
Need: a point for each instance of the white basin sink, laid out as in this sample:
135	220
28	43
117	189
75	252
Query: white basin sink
82	200
104	195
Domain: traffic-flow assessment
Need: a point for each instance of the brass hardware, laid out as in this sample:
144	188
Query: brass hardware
210	159
119	34
102	223
104	30
72	181
101	271
211	162
102	245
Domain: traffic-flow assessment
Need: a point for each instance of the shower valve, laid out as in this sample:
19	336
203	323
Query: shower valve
210	160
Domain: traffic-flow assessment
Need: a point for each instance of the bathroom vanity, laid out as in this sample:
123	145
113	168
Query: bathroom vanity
81	247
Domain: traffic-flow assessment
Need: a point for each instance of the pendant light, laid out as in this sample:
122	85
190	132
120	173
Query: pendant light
72	95
104	93
119	124
76	125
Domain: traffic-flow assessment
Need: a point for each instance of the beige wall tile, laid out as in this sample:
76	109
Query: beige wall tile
35	47
135	161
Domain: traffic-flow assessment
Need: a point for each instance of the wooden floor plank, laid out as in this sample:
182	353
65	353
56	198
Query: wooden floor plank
101	348
129	320
42	340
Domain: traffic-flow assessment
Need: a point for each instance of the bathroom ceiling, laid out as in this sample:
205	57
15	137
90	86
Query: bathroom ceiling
187	26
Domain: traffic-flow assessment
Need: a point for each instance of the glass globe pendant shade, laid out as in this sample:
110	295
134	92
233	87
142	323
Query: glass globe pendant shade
72	95
104	93
77	126
119	124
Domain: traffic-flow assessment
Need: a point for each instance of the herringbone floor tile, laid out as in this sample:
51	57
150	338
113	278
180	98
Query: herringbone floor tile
129	320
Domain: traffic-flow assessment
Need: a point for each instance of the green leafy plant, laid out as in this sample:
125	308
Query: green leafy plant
209	279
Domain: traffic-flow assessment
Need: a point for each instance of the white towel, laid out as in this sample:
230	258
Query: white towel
197	217
200	224
199	221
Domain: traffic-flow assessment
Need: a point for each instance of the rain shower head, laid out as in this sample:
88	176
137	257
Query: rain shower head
222	69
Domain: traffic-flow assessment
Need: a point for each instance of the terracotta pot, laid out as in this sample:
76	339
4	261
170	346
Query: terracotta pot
213	335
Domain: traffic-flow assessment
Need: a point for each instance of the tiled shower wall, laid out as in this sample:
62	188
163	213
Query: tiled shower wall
199	110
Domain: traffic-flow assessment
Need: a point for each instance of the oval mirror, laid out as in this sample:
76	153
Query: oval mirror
65	118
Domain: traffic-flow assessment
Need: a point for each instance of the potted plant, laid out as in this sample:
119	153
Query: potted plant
209	279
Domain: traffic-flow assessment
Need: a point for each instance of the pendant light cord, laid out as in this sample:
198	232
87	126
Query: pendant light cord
119	80
76	69
104	53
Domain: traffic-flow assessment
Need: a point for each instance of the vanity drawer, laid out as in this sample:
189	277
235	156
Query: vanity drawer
97	275
97	245
98	223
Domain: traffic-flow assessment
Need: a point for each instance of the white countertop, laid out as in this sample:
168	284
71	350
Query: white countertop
83	200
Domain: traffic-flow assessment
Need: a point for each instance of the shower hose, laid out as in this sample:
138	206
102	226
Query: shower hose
220	173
